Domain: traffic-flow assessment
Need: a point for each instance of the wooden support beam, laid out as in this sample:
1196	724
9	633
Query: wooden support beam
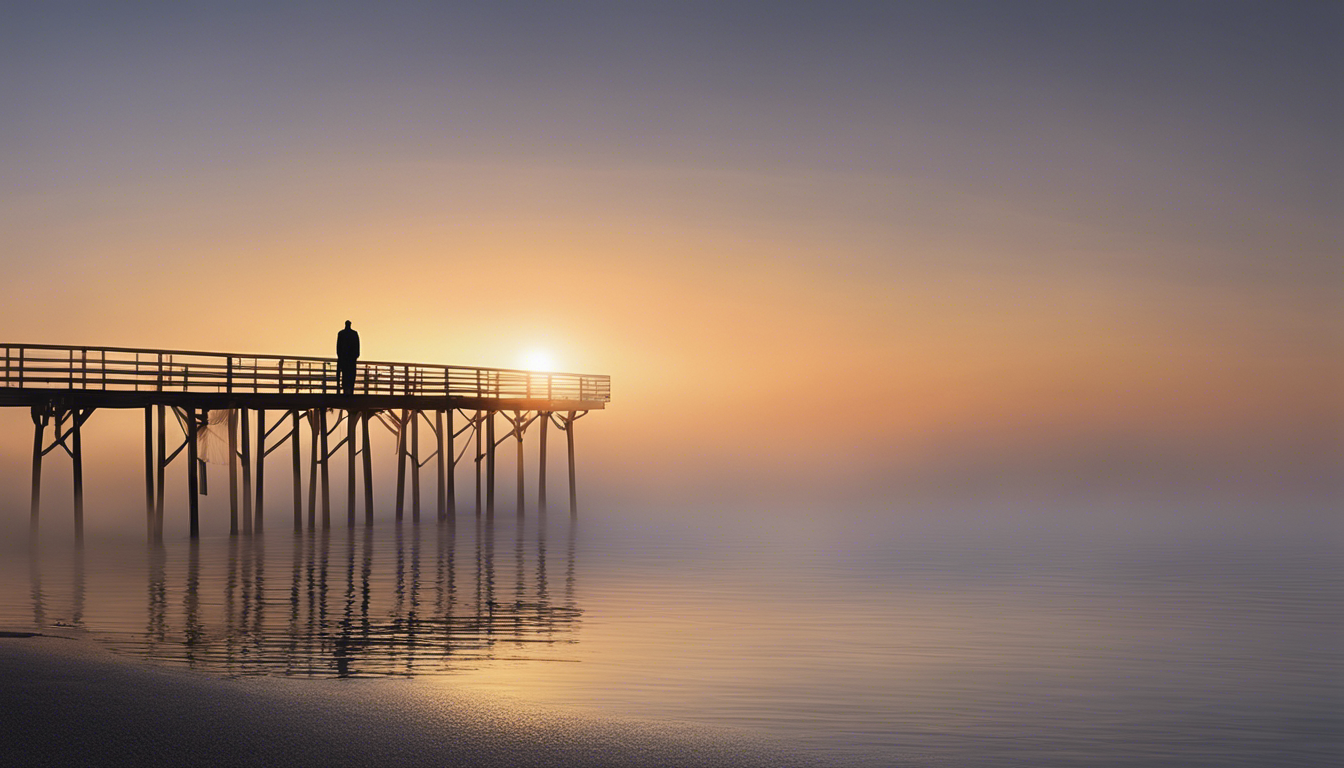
541	466
518	435
77	459
490	465
415	466
443	492
573	492
39	430
193	500
246	435
233	471
368	472
450	510
149	472
161	474
261	469
312	472
401	464
476	419
351	419
326	464
298	473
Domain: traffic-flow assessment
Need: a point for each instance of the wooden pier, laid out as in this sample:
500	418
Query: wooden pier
64	386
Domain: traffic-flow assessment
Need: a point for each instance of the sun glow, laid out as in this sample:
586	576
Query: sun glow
538	360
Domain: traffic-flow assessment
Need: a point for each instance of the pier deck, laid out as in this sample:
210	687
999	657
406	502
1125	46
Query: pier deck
64	385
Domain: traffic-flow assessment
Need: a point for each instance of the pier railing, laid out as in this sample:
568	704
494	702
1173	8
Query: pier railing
48	366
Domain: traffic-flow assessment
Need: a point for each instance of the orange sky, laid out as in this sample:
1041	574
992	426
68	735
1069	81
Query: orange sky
811	288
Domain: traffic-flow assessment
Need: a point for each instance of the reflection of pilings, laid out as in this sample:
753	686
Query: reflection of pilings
413	609
519	578
296	570
341	645
488	549
449	584
191	601
257	553
77	585
541	562
35	588
230	602
569	567
365	571
392	624
156	628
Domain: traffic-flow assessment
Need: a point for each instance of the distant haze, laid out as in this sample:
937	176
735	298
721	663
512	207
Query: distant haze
840	257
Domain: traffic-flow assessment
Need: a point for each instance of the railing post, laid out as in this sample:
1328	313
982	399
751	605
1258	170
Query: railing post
228	374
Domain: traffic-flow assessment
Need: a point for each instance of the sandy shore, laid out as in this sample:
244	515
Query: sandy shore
71	702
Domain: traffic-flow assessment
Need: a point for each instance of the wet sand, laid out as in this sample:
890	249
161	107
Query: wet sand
72	702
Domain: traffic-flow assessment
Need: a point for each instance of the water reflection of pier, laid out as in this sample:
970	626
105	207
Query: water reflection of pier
377	601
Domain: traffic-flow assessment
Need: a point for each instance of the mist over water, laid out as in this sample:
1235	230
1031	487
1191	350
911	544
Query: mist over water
868	645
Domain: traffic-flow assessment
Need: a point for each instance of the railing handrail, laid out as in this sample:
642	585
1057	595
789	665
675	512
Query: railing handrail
237	373
136	350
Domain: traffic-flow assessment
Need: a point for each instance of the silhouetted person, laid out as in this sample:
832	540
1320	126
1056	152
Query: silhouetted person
347	352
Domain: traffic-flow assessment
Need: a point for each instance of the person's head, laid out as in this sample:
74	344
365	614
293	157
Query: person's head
347	323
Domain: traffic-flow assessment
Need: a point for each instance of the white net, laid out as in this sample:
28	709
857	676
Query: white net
212	442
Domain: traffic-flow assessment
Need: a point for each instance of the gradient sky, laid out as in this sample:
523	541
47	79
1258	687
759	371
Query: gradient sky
832	254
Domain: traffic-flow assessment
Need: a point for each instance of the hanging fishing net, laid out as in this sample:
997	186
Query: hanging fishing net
212	441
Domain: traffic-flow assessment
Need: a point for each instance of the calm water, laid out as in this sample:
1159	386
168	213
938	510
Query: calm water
873	649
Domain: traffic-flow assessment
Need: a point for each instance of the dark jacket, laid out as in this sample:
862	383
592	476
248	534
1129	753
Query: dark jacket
347	345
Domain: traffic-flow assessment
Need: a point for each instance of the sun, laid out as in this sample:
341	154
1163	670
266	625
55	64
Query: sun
538	360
